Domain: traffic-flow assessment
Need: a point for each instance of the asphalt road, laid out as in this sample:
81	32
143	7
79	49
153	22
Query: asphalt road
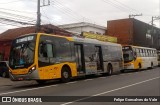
142	83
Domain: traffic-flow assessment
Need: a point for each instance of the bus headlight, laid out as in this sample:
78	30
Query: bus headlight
32	69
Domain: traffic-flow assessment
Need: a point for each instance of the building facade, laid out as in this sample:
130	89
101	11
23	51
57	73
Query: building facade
134	32
78	28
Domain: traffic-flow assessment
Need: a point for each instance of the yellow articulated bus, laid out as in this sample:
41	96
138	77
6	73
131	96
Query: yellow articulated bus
43	57
136	57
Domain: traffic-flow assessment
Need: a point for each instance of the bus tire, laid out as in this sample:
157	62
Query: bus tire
139	66
41	82
65	74
151	65
122	71
109	69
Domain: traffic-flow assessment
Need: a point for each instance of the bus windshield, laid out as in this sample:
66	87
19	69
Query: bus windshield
22	53
128	55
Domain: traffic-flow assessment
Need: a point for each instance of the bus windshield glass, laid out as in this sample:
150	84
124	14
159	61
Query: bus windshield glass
128	54
22	52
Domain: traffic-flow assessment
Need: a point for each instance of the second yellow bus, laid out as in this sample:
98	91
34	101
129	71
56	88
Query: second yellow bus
136	57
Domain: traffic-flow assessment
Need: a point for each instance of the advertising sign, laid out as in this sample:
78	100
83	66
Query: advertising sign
104	38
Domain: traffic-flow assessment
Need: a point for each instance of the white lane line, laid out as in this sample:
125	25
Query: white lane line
111	90
121	74
129	73
71	82
126	86
27	90
88	80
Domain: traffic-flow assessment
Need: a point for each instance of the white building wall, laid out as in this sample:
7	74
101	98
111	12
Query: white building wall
94	29
78	28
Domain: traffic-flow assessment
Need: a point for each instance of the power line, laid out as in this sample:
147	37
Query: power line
16	21
27	12
45	16
2	22
11	2
13	18
67	13
119	7
126	6
115	5
72	13
15	15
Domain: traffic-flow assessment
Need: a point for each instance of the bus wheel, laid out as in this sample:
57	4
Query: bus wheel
109	69
122	71
65	75
139	66
41	82
152	65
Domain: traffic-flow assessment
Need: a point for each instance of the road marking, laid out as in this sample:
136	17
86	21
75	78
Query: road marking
122	74
26	90
88	80
106	92
71	82
131	72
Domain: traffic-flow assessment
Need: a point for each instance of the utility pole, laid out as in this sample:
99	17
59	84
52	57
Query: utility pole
38	24
154	18
38	17
152	21
133	15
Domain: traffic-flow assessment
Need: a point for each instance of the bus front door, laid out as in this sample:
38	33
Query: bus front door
99	59
79	54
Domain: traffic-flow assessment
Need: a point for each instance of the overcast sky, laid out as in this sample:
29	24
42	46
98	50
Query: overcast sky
71	11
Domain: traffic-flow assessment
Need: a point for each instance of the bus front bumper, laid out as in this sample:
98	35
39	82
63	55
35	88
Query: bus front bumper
32	76
129	66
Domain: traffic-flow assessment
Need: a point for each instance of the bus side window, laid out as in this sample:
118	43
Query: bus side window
135	55
43	50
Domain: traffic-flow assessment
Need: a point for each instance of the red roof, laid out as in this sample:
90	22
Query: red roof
13	33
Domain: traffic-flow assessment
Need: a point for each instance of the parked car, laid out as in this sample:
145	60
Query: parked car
4	69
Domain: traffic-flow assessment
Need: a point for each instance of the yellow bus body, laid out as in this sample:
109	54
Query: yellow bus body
53	70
